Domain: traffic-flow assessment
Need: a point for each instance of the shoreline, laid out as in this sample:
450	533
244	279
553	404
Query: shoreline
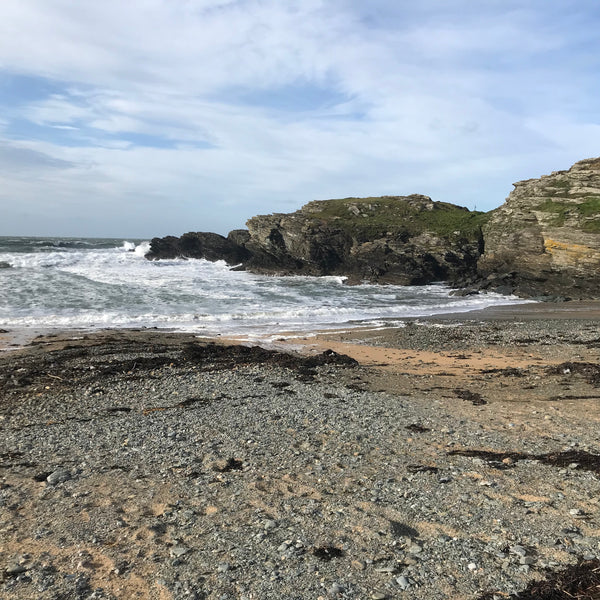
19	337
459	457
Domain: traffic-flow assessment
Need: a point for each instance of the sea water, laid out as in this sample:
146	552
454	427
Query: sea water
75	283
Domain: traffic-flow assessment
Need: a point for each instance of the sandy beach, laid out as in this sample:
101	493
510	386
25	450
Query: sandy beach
455	457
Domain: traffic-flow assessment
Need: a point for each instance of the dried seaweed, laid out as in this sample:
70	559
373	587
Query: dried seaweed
474	397
417	428
590	371
579	459
578	582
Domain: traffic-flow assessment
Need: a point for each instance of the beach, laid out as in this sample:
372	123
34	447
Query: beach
453	457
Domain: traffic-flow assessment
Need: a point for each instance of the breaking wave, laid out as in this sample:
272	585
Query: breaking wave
91	283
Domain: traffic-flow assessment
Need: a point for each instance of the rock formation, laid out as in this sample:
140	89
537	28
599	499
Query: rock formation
407	240
545	239
210	246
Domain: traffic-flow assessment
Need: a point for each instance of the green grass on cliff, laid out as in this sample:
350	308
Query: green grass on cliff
370	218
584	212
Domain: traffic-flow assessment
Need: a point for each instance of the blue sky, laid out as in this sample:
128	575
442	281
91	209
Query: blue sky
156	117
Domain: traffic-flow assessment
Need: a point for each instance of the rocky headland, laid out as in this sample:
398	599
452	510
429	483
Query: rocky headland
543	242
545	239
407	240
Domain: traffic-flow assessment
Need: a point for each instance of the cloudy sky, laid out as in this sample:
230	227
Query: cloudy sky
155	117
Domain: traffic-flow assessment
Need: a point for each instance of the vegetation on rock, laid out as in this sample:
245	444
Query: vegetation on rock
376	217
543	241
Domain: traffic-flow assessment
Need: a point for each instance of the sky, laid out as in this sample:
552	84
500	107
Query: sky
156	117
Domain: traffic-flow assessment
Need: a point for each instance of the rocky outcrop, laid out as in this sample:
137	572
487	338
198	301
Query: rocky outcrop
210	246
543	242
407	240
545	239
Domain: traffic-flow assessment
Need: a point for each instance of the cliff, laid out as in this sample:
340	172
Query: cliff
407	240
545	239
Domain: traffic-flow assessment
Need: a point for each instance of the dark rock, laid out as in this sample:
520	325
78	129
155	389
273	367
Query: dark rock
58	476
408	240
5	265
210	246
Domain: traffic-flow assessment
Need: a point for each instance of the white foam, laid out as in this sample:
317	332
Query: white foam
118	287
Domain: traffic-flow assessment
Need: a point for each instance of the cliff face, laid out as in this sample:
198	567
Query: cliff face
545	239
392	239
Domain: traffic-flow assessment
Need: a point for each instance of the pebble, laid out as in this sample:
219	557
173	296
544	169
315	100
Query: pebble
179	551
58	476
314	462
336	589
15	569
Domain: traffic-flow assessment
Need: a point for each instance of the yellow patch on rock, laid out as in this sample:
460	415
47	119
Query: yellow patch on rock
569	253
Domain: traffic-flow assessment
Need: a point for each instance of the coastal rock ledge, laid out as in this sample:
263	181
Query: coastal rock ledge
545	239
406	240
543	242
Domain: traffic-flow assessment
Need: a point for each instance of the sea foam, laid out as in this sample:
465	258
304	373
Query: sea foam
85	283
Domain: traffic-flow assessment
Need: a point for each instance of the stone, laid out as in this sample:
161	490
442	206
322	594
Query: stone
519	550
358	565
58	476
415	549
15	568
336	589
178	551
403	582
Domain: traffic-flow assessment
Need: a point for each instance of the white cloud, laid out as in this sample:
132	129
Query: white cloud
453	103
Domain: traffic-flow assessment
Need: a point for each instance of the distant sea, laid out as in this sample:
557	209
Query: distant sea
74	283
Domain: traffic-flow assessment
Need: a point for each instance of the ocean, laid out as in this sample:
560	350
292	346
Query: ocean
84	283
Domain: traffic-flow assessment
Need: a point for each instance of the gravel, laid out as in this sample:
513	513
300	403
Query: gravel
133	466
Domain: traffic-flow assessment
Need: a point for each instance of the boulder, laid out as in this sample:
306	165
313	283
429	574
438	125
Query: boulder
210	246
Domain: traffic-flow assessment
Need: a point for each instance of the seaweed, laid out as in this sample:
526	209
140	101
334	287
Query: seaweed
584	461
577	582
590	371
474	397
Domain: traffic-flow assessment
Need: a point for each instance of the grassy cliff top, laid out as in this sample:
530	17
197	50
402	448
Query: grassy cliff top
370	218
